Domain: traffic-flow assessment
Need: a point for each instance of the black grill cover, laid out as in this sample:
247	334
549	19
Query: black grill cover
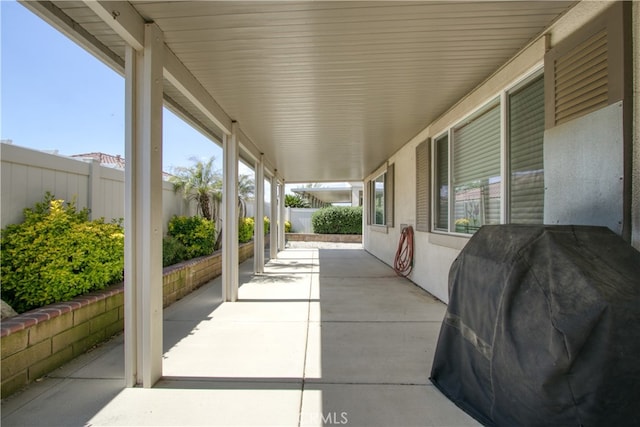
543	328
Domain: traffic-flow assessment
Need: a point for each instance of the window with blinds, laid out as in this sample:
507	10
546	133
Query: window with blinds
381	198
441	156
378	205
476	172
526	137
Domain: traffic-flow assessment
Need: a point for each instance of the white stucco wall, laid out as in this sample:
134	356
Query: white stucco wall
433	252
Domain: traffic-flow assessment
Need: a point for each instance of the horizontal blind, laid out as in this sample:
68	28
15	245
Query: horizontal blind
476	172
526	136
422	186
476	151
442	183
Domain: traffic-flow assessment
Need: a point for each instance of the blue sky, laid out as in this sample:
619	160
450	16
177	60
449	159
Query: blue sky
57	96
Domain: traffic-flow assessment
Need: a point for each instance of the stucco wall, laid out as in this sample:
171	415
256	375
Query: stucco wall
433	252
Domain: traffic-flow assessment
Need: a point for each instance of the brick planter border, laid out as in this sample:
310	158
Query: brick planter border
334	238
38	341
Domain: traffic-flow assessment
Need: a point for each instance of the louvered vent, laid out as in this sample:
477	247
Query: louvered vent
581	79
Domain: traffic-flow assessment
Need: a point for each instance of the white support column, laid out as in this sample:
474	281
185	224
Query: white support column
273	232
281	217
258	239
143	211
355	196
230	216
131	277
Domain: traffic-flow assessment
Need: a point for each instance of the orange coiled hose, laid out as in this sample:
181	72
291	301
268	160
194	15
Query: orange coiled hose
403	263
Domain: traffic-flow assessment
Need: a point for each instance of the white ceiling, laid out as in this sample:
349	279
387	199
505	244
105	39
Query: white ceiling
328	90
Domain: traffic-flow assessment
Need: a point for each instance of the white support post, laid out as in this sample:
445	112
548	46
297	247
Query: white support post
258	239
273	232
143	211
230	216
131	277
281	218
355	196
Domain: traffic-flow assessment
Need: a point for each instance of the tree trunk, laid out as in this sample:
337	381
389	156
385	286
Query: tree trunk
203	201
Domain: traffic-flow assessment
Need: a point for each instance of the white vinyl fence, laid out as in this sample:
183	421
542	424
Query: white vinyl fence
28	174
300	217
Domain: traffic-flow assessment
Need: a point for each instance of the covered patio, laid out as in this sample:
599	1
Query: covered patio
372	92
327	335
303	92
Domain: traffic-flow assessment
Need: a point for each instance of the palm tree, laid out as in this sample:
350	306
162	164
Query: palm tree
246	190
202	183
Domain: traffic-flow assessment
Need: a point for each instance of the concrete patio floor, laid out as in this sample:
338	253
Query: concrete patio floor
328	335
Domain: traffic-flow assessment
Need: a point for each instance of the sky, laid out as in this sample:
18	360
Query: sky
57	96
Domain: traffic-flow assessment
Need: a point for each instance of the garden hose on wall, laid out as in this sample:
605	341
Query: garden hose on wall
403	263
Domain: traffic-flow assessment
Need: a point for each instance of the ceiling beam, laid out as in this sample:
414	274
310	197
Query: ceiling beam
185	82
125	20
252	150
63	23
122	18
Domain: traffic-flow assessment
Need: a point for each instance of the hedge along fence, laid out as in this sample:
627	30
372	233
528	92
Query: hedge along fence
36	342
338	220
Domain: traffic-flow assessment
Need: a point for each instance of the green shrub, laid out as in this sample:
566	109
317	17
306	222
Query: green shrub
173	251
57	254
245	229
337	220
267	225
195	233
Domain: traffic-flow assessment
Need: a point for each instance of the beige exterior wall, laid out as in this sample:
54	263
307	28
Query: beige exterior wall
433	252
28	174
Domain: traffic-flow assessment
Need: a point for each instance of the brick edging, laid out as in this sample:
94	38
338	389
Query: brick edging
333	238
38	315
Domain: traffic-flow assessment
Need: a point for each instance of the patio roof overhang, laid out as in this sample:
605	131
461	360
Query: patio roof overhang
327	194
326	90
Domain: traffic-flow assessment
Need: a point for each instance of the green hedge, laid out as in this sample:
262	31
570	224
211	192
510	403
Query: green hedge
337	220
188	237
245	229
57	254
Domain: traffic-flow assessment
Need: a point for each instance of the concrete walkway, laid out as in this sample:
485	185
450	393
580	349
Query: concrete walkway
326	336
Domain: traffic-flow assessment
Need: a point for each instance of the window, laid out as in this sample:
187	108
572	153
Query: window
378	200
526	132
476	172
381	192
471	187
441	213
